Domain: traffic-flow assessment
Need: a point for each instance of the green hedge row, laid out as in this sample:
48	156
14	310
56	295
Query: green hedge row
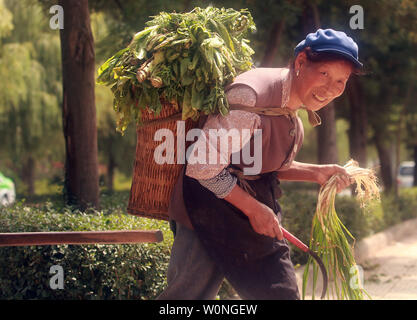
90	271
139	271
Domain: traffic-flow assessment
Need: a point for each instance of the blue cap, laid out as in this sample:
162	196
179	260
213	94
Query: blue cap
329	40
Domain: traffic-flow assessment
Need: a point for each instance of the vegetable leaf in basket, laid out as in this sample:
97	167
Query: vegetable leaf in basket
184	58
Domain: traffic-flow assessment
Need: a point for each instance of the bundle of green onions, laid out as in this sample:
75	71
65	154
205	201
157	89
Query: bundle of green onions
184	58
328	236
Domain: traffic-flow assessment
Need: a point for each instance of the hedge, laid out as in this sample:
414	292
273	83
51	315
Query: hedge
131	271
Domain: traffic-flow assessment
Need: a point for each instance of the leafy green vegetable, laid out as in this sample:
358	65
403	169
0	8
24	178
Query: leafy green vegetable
186	58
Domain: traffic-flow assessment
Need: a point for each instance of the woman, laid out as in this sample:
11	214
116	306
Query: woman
227	224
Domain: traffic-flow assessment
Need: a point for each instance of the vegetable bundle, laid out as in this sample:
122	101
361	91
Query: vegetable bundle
183	58
328	235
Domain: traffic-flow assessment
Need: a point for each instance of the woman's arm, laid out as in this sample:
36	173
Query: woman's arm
299	171
238	121
318	173
261	217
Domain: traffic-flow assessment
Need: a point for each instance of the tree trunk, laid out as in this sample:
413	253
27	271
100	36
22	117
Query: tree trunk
384	154
28	174
311	17
358	123
110	172
326	136
79	113
273	44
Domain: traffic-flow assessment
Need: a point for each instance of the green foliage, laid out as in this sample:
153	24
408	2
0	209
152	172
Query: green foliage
90	271
296	218
186	59
31	91
113	149
6	25
403	207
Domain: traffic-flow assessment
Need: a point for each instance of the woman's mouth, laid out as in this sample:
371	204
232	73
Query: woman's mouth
319	98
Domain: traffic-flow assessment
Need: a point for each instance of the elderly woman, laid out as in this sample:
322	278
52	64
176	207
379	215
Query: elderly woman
227	223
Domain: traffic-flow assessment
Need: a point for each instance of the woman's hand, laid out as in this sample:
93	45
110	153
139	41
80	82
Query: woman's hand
325	172
265	222
261	217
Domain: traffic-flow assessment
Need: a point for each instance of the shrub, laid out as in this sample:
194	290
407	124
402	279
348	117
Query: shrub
90	271
296	218
400	208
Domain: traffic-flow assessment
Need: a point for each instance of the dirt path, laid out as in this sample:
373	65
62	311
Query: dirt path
392	273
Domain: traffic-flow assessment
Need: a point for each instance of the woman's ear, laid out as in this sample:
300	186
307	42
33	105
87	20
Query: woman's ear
300	61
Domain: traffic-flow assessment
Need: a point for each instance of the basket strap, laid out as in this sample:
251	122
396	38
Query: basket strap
242	179
175	116
269	111
313	117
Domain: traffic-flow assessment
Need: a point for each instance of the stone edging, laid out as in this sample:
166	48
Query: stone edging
369	246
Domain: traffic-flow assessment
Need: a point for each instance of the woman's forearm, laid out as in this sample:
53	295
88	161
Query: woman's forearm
243	201
299	171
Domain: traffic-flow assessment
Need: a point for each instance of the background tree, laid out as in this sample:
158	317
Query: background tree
115	151
389	45
29	93
6	25
79	112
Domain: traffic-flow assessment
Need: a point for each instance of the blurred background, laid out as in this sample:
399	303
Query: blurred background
374	122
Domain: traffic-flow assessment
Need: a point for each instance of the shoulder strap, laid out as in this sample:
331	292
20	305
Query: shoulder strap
313	117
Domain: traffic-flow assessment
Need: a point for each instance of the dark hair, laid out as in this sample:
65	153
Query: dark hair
326	57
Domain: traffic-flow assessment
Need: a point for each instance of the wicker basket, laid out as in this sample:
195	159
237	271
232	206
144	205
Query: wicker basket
152	183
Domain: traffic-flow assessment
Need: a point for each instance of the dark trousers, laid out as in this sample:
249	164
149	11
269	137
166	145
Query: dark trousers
192	274
224	244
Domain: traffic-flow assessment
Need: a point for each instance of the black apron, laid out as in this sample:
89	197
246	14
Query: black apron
257	266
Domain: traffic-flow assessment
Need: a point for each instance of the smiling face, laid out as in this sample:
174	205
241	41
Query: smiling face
318	83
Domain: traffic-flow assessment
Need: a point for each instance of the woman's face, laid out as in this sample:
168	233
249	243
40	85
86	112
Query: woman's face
318	83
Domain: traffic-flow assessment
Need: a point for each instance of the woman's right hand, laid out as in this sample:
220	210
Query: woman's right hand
265	222
261	217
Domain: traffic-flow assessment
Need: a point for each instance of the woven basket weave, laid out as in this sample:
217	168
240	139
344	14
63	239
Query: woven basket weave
152	183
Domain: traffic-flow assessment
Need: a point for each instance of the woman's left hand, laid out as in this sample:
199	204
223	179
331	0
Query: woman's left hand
326	171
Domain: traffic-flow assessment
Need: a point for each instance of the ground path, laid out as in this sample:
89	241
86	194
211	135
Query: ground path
392	272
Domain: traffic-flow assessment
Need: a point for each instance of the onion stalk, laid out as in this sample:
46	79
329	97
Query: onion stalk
329	236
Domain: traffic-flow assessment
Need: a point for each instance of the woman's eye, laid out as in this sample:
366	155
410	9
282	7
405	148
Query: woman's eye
324	73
